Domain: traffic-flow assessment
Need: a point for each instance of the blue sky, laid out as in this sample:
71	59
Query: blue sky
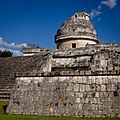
36	21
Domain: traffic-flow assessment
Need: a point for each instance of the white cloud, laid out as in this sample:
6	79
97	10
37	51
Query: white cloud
95	12
15	52
110	3
11	45
5	46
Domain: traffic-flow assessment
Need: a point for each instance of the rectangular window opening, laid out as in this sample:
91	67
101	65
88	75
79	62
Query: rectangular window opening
73	45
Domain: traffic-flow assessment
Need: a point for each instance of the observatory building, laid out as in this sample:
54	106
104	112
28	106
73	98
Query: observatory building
76	32
80	78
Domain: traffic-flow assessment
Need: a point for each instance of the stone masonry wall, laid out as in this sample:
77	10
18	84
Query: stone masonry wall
79	43
89	96
75	82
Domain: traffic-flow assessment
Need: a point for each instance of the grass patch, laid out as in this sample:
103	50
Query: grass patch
30	117
2	103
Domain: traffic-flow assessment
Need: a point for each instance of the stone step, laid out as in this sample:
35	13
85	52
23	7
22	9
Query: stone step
6	87
4	93
4	97
5	90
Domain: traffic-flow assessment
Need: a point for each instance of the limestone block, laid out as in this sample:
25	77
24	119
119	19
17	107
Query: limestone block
93	79
115	79
71	86
93	100
118	78
105	95
82	87
86	100
93	87
80	106
68	88
97	94
89	94
85	95
80	80
81	94
84	79
89	81
76	87
77	100
98	80
82	100
110	87
103	87
78	94
90	78
110	79
105	79
98	87
87	88
101	94
103	63
93	107
71	94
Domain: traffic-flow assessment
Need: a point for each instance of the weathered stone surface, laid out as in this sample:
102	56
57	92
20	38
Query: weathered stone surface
64	96
79	30
65	82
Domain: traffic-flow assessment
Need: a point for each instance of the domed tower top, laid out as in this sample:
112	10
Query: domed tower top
81	15
76	32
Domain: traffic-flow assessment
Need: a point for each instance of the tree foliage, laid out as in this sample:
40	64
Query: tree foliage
6	53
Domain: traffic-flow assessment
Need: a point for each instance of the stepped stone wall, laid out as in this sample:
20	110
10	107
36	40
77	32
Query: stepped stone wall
84	96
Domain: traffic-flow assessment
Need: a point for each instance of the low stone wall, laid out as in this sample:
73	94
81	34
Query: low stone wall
89	96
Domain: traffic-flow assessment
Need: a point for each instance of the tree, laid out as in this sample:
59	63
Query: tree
5	53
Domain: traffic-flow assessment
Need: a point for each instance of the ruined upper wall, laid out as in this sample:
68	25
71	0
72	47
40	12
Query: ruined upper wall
90	58
34	51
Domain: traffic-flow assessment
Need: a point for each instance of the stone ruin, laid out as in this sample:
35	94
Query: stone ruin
81	82
75	80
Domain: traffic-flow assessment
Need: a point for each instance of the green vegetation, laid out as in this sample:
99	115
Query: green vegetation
6	53
2	103
28	117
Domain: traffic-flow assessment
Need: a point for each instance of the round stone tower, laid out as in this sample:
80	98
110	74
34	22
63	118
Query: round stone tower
76	32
